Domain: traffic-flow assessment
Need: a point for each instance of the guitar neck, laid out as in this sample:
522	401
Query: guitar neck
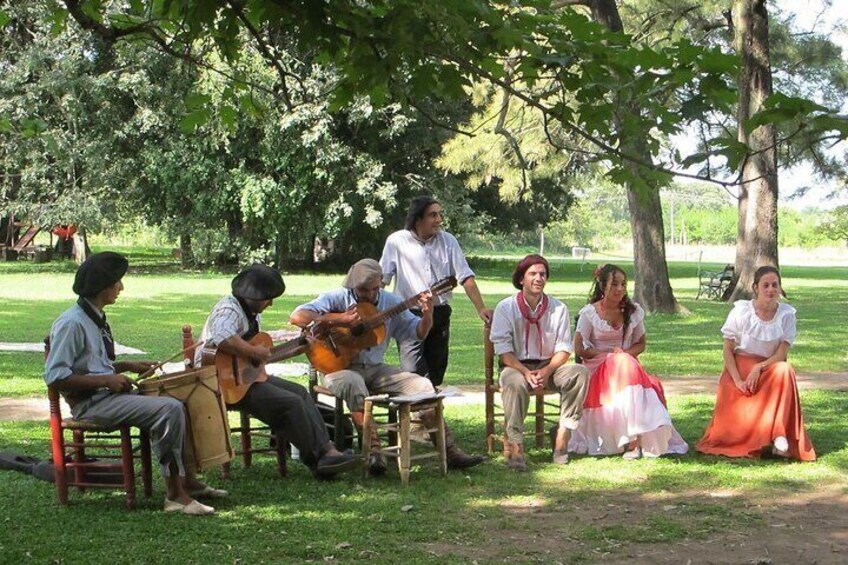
380	318
286	350
441	287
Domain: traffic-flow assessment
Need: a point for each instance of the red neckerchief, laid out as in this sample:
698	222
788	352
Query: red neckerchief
531	319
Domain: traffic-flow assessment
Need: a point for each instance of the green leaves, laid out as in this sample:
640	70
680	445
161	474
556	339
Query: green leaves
779	108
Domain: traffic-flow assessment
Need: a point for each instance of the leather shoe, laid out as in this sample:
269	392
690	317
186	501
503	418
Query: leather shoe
193	508
330	465
458	459
377	465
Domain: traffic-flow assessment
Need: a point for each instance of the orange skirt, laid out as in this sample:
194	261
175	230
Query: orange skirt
743	425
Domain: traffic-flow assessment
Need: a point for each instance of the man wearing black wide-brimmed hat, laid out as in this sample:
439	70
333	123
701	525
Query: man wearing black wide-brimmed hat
81	365
283	405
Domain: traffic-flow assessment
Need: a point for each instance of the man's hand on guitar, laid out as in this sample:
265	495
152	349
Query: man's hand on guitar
425	302
349	318
260	353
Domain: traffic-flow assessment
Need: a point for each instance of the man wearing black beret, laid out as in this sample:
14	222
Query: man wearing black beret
81	365
281	404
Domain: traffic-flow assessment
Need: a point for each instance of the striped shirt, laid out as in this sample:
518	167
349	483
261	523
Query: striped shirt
225	320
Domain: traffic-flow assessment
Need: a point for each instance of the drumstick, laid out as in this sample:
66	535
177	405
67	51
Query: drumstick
149	372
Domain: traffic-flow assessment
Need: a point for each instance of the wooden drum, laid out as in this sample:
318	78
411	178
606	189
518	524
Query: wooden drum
208	437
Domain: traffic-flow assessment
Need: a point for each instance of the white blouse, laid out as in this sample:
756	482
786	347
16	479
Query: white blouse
757	337
598	334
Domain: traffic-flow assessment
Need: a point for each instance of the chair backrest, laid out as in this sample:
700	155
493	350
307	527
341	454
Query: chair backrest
577	358
52	393
189	346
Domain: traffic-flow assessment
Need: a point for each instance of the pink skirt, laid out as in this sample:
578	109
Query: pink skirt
624	403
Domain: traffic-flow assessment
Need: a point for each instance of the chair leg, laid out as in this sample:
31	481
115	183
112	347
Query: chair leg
540	421
366	433
490	420
338	423
60	471
246	454
79	458
282	445
404	457
440	439
146	463
127	470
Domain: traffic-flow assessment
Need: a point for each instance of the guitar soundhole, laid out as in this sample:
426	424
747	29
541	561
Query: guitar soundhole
358	330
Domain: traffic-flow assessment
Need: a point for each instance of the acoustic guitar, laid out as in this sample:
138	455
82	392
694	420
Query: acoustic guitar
334	349
237	374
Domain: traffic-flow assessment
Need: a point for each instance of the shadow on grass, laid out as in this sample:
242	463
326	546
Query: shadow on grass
592	508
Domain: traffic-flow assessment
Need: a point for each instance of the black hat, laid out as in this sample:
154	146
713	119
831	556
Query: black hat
258	282
99	271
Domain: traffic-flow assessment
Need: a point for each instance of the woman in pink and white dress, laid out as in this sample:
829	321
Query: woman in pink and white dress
625	409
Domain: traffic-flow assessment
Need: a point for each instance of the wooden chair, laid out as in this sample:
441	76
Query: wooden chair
115	450
247	429
337	428
545	413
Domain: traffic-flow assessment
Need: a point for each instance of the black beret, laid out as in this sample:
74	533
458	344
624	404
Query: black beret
258	282
99	271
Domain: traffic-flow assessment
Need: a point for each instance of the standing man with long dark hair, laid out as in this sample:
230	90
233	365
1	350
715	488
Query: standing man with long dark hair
417	257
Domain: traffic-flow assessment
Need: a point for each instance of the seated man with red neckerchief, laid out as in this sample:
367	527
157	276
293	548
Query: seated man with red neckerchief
532	337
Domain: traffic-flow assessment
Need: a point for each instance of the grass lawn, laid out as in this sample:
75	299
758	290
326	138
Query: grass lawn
157	302
695	508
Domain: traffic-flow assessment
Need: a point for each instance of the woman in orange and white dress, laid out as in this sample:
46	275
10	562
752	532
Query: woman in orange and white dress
625	409
757	407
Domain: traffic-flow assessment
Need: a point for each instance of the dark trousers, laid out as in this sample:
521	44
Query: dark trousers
288	408
429	358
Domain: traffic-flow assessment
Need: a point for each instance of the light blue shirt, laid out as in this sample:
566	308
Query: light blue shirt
76	348
402	327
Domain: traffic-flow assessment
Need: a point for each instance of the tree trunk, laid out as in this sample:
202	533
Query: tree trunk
756	243
652	288
186	252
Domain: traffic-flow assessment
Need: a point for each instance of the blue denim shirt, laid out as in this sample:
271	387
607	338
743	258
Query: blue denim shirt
76	347
402	327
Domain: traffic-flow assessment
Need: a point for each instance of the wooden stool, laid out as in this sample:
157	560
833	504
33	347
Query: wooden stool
398	426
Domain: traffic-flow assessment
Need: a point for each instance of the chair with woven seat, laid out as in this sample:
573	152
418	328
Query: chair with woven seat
545	412
247	430
115	449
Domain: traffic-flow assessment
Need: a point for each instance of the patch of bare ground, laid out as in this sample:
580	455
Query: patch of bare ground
694	527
